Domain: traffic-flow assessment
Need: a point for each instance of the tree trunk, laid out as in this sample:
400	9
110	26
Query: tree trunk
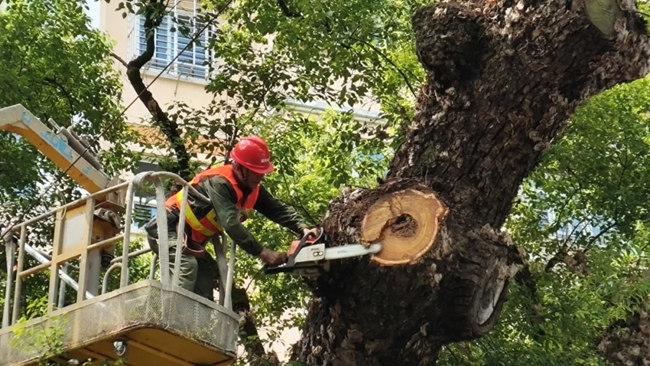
503	79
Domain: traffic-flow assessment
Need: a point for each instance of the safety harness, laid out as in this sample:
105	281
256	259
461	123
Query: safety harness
203	228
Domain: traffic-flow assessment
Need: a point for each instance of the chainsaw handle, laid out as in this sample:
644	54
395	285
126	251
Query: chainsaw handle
270	269
289	259
311	233
289	263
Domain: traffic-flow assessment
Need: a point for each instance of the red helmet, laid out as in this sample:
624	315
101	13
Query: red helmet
252	153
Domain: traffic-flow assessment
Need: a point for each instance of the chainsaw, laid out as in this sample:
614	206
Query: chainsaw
310	256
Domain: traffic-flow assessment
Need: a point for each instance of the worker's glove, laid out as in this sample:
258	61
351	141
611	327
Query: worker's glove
272	258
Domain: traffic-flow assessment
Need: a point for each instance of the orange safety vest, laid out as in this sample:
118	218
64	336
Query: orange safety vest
205	227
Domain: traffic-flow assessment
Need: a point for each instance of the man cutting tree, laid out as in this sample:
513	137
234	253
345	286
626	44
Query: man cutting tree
234	190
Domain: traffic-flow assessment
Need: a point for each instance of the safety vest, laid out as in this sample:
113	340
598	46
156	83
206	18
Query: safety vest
205	227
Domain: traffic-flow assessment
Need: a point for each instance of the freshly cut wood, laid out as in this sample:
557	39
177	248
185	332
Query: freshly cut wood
405	223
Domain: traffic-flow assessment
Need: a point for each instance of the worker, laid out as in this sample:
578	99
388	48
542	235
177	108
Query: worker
234	189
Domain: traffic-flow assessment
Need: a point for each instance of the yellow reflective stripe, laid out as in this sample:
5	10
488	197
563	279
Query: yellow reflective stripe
193	221
212	217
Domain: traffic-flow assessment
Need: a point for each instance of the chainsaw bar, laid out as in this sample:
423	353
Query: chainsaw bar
313	259
351	250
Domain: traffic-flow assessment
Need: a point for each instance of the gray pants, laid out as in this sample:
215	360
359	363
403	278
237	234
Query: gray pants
196	274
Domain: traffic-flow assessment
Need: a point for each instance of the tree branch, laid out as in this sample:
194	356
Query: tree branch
380	53
118	58
154	14
601	233
71	100
565	247
287	11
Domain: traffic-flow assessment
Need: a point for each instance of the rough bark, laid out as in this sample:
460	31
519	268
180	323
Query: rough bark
153	16
628	342
503	79
248	335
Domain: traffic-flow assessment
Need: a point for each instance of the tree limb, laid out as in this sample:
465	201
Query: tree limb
601	233
154	13
481	127
287	11
71	101
118	58
566	246
380	53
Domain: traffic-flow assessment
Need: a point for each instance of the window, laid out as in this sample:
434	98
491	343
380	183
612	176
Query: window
170	41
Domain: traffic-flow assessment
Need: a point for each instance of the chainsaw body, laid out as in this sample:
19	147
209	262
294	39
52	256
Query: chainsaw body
310	255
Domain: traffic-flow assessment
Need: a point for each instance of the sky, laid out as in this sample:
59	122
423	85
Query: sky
93	12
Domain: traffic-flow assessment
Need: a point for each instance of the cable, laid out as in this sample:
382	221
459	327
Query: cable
110	124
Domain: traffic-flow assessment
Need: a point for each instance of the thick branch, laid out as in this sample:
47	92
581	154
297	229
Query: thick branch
502	83
153	16
408	326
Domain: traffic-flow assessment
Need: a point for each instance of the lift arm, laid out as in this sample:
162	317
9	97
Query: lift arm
56	147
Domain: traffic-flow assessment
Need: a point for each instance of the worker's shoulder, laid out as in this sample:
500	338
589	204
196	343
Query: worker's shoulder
218	183
218	178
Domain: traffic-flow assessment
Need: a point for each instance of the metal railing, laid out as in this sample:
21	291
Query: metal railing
59	267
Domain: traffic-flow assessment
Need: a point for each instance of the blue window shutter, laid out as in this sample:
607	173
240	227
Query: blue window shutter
163	44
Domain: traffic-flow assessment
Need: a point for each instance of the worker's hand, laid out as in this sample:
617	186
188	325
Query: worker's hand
272	258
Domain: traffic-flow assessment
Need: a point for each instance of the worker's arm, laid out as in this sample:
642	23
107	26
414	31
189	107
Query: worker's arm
278	212
223	198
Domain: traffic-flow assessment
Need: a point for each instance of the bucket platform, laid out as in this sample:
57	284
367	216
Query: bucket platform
149	322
